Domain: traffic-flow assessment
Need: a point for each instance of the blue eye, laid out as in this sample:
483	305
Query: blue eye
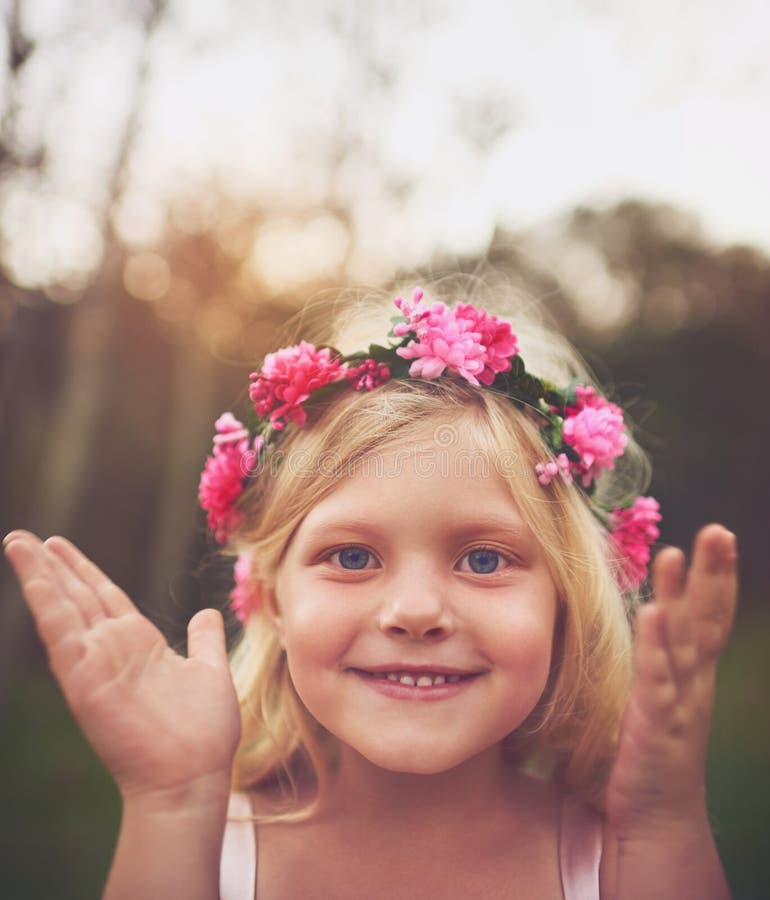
353	557
483	561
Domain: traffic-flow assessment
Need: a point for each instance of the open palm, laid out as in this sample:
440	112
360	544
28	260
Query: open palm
159	721
659	774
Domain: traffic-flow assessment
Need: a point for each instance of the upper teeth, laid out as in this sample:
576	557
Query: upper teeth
418	680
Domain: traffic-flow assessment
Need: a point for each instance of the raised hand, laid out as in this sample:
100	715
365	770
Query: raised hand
160	722
657	785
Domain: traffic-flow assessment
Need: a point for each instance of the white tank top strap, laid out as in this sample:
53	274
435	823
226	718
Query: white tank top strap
238	869
580	850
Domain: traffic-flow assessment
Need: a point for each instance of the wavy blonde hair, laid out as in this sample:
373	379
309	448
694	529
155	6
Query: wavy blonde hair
572	733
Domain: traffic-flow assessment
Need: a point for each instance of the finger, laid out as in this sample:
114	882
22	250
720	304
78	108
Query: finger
18	533
113	601
206	638
59	622
655	687
712	588
75	589
39	580
668	573
681	639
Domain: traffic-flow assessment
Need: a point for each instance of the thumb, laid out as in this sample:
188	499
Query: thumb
206	638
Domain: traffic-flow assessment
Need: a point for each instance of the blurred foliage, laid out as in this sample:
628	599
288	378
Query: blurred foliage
739	787
61	811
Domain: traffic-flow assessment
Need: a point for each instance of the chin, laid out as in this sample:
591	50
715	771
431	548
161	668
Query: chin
412	762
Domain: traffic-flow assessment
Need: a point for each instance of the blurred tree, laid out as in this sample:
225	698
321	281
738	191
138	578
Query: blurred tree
68	436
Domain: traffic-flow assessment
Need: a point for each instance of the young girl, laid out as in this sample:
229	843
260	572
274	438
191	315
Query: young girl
435	695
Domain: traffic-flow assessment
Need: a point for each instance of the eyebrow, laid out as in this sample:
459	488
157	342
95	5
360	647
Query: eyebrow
510	526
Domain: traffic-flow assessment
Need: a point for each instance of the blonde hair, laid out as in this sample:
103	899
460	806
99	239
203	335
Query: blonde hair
571	735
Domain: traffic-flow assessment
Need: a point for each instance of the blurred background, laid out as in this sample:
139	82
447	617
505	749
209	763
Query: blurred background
178	176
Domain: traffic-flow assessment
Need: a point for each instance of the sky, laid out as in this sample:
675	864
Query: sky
429	122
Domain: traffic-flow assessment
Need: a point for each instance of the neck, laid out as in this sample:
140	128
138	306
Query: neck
362	790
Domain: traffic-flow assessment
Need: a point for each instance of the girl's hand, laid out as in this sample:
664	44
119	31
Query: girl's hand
166	727
657	785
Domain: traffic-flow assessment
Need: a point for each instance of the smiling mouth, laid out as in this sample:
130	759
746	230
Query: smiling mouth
416	679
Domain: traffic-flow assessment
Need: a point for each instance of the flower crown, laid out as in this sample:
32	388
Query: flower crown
584	432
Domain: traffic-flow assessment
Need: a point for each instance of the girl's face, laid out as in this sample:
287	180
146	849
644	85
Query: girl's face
416	609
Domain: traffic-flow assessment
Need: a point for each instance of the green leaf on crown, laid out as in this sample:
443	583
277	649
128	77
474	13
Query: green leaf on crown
552	435
399	368
380	354
517	367
568	394
252	421
534	386
319	395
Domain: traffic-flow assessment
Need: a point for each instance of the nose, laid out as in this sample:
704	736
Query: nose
416	608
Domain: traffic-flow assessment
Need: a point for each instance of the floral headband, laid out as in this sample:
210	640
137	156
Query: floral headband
584	432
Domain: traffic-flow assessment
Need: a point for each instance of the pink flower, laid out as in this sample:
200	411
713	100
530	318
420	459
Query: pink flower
633	531
229	430
221	481
244	600
595	428
465	340
410	312
369	375
546	472
500	344
287	379
443	341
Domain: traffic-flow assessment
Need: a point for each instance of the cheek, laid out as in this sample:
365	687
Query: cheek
525	646
319	643
314	654
316	630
